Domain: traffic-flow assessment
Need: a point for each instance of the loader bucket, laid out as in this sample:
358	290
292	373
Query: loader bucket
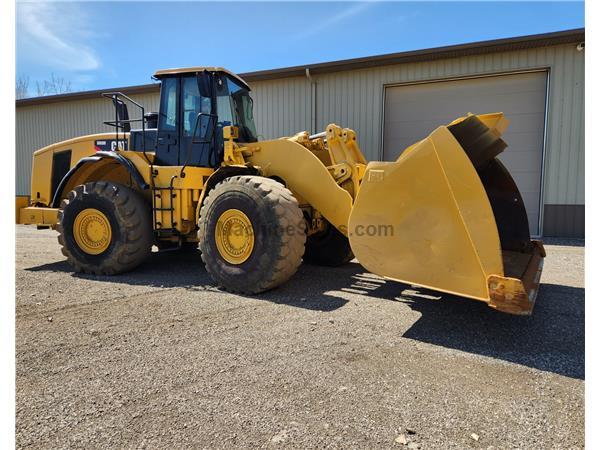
448	216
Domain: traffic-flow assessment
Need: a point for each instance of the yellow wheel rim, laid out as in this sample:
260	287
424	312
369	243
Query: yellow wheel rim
234	236
92	231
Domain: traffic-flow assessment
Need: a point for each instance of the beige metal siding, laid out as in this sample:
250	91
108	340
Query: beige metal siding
355	99
42	125
281	107
413	111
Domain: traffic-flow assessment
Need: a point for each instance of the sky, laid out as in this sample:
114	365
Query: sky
97	45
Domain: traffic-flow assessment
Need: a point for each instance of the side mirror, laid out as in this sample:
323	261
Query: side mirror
122	113
205	84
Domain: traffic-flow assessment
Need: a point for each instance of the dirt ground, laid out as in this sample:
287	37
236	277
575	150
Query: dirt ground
160	358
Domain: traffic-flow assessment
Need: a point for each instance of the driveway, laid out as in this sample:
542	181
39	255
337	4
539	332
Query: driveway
339	358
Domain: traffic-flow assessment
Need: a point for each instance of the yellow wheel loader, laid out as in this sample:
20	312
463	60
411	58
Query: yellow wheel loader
446	215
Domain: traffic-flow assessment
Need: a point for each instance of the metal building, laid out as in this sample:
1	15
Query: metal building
394	100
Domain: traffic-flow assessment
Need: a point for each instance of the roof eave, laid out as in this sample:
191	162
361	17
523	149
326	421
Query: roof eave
451	51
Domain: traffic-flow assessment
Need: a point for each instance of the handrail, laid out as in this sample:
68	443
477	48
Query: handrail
119	124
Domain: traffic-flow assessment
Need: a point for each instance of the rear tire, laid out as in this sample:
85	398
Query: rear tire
328	248
268	251
123	212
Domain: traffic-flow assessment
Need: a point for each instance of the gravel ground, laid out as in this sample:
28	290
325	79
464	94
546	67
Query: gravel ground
159	358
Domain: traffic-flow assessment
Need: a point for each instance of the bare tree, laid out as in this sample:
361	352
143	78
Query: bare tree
22	87
55	85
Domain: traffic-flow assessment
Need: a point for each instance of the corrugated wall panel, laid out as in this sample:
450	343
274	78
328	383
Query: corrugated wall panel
354	99
42	125
281	107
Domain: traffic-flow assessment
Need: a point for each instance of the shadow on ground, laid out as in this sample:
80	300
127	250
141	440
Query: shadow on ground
552	339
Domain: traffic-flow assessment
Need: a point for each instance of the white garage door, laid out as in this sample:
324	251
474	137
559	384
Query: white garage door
413	111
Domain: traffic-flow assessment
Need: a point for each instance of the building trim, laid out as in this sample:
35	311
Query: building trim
556	225
86	95
545	143
451	51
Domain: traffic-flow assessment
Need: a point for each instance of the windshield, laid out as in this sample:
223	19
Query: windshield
241	107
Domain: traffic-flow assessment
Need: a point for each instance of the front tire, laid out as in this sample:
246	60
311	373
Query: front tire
252	234
104	228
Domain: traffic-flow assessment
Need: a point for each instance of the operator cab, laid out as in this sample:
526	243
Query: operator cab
195	105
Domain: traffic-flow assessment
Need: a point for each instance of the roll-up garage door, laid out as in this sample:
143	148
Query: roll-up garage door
413	111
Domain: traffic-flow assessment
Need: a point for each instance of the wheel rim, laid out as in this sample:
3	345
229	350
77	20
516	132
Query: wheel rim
92	231
234	236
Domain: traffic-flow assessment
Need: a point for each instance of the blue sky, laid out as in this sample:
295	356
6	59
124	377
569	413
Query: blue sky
99	45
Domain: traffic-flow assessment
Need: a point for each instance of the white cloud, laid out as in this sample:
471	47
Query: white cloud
355	9
54	35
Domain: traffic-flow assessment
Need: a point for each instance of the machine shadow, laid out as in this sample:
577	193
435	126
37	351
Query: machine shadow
186	270
552	339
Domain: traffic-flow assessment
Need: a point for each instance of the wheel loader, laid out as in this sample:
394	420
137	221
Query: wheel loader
446	215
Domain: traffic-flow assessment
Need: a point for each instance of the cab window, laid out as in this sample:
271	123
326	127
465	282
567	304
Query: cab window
224	109
168	105
193	104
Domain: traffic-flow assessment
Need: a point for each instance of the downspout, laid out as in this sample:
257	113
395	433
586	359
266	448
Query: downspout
313	102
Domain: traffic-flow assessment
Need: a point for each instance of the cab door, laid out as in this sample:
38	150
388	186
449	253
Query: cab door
168	135
196	125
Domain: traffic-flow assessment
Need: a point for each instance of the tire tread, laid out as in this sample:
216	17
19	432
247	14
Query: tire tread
291	246
137	235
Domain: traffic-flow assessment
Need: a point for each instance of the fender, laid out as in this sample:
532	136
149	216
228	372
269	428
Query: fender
219	175
99	156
